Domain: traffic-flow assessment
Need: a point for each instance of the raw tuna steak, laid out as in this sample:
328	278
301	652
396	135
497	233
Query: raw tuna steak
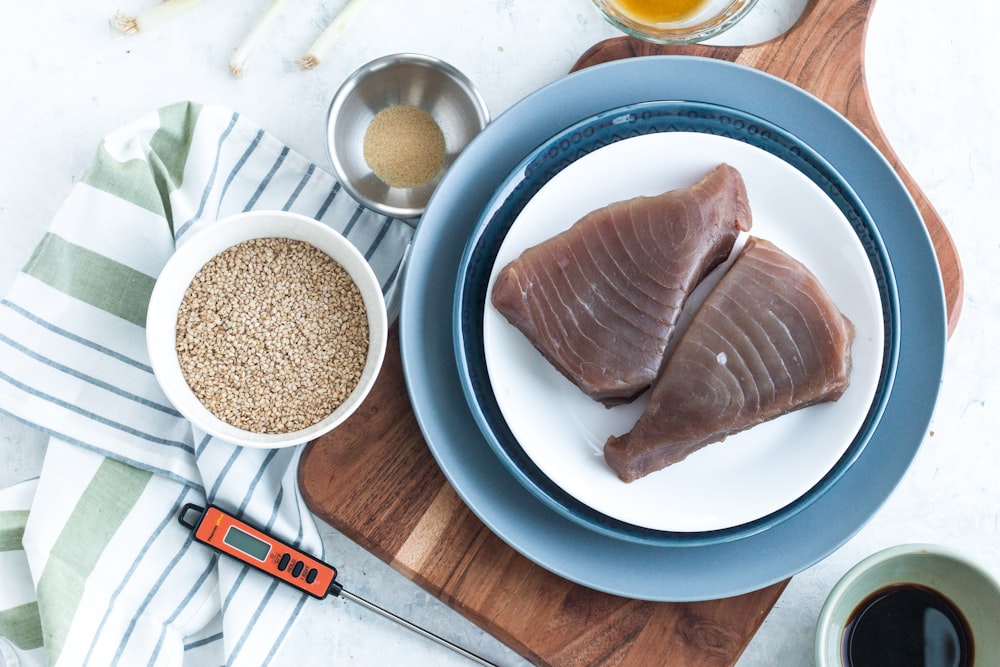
601	299
767	340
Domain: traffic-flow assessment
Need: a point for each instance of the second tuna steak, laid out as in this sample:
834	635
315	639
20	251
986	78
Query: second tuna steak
601	299
768	340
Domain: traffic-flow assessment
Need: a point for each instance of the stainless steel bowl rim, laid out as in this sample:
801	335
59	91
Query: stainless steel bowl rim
348	86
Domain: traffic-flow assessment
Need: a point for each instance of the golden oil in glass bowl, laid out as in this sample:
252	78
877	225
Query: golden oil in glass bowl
660	11
673	21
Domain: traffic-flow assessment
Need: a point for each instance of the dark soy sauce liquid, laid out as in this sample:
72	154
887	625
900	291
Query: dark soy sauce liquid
907	626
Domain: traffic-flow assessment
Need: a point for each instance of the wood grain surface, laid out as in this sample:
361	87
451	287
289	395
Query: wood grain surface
374	479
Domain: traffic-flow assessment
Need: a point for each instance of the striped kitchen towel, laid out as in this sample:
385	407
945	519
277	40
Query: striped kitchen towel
96	569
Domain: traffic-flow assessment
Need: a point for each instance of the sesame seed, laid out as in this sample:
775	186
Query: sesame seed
272	335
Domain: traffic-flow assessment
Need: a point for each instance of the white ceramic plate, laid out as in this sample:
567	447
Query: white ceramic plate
751	474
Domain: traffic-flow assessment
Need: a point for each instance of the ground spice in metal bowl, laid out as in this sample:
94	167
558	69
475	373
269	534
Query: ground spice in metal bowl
404	146
272	335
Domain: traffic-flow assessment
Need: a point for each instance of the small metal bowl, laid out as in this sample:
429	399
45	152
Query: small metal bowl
446	94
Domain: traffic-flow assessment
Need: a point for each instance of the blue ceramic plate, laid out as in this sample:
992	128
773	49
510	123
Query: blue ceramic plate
550	436
605	562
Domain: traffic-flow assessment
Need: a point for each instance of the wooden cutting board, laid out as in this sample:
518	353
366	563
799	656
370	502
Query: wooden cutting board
374	479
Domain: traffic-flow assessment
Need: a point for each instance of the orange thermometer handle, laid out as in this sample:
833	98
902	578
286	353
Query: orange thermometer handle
238	539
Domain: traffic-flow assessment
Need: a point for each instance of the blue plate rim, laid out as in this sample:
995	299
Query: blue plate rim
499	214
583	556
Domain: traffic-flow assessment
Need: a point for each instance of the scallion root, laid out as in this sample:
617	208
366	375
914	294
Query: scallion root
152	17
255	36
325	41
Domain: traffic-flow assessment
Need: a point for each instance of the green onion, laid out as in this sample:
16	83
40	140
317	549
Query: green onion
254	37
323	43
152	17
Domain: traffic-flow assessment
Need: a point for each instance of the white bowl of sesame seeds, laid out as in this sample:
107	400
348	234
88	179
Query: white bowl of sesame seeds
266	329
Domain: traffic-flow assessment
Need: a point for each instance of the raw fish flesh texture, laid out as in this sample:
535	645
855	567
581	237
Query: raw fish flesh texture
601	299
767	340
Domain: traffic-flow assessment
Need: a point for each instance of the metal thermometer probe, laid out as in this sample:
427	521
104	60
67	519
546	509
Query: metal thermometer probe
251	545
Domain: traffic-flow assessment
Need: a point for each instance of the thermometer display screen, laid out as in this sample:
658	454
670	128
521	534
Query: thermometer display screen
246	543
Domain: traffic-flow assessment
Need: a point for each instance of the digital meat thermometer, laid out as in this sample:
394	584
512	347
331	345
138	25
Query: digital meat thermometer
251	545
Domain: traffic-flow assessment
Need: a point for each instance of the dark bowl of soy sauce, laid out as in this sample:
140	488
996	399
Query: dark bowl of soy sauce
914	605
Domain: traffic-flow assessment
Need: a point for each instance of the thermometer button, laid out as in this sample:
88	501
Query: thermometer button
283	563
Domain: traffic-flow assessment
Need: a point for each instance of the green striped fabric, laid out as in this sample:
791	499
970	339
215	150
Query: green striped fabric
171	143
22	626
133	180
92	278
120	581
12	529
98	513
19	620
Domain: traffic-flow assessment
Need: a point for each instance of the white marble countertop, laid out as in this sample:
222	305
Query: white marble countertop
68	78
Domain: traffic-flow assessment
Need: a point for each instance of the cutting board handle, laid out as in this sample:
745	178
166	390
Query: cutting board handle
822	53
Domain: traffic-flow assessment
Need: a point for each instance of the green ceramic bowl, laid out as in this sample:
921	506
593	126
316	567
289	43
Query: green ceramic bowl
971	589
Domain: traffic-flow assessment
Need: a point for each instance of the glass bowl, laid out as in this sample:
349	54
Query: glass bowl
706	19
